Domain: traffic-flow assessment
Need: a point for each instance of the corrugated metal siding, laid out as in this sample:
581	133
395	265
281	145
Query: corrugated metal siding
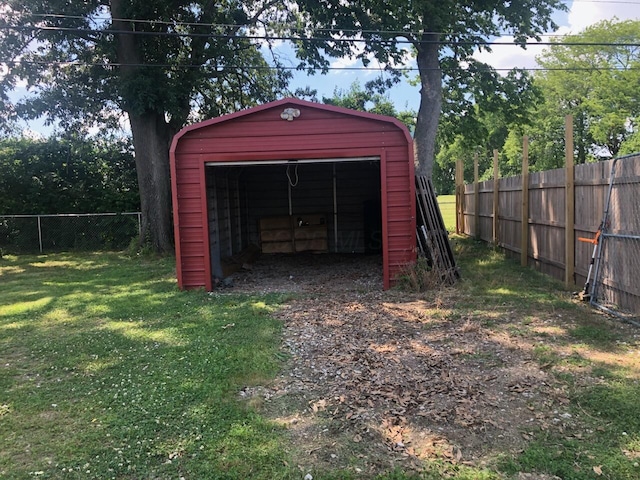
400	205
259	135
312	122
288	145
189	211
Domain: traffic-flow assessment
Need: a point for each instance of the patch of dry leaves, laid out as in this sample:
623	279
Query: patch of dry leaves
381	379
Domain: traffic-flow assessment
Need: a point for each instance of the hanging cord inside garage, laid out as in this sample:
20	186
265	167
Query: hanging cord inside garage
295	173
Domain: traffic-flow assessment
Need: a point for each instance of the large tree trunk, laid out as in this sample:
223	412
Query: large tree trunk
430	103
151	143
151	137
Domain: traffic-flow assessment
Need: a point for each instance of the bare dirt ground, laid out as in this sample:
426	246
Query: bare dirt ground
376	380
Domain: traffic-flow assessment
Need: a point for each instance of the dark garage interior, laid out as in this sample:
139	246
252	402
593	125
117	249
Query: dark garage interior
288	207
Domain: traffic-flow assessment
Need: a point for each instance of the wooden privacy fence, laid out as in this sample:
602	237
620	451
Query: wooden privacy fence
544	218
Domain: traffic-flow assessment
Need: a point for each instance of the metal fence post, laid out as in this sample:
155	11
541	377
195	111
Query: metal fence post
39	234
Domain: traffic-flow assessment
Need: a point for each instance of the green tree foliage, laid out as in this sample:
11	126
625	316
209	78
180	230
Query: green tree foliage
594	76
71	175
162	63
443	34
479	113
597	83
365	100
631	144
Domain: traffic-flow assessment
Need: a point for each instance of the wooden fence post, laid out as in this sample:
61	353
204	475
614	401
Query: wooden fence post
496	197
460	197
457	191
476	196
524	242
569	226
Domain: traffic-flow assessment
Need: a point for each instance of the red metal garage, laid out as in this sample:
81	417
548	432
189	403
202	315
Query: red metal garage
292	176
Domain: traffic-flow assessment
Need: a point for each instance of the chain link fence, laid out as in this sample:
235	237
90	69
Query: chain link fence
63	232
616	285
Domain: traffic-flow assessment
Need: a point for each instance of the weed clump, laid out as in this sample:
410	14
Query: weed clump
421	277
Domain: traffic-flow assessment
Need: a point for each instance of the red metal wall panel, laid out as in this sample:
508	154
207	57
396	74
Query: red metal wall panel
260	134
289	144
299	127
188	175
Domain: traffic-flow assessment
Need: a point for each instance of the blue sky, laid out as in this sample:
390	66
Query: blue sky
581	14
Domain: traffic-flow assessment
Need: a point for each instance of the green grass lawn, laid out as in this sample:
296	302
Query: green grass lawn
594	357
108	371
447	205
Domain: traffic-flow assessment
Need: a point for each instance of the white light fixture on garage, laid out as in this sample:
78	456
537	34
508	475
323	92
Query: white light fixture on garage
289	114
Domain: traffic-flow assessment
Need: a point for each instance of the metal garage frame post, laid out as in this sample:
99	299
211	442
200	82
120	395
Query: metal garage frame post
289	191
215	247
227	205
237	213
335	209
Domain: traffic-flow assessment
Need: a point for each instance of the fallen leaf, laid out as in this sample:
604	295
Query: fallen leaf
597	469
319	405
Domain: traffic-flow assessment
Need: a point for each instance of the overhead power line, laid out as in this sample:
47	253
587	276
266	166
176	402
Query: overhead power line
284	67
108	18
223	36
606	2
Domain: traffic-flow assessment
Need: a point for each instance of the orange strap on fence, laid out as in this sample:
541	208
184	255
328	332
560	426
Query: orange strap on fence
591	240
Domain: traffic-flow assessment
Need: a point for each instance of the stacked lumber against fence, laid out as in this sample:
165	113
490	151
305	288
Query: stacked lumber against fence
433	239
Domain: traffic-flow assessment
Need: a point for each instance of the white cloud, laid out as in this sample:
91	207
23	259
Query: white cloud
32	134
584	14
580	16
22	84
345	62
374	67
352	61
4	71
262	34
509	56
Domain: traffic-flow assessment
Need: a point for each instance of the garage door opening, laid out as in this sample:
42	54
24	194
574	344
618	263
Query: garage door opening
293	207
